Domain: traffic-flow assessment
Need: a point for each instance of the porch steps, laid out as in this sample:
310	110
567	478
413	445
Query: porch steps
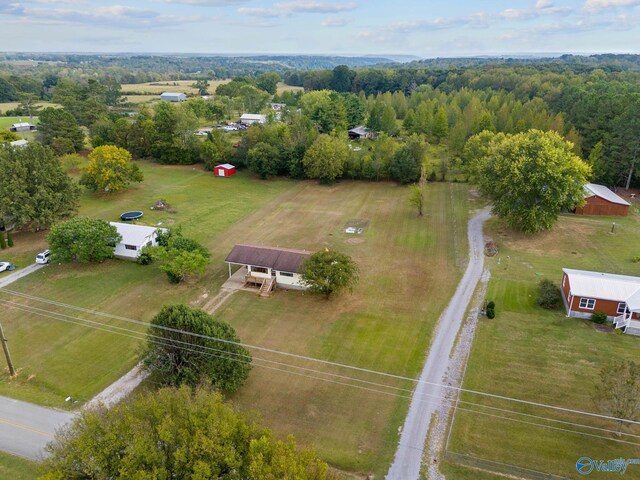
267	287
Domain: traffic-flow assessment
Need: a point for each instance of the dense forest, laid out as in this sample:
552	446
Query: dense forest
593	102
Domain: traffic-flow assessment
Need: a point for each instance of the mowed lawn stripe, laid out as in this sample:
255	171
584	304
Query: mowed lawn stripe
407	277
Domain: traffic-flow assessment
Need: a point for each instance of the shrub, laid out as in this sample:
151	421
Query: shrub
145	257
491	313
3	244
491	305
599	317
549	295
9	239
635	259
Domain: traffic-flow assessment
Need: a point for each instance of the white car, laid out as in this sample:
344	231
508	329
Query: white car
43	257
7	266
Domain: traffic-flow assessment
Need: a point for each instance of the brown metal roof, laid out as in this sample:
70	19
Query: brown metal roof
282	259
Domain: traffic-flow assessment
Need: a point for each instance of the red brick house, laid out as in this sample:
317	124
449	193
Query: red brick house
618	296
602	201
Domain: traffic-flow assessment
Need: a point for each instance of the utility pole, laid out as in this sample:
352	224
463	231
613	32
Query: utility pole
5	347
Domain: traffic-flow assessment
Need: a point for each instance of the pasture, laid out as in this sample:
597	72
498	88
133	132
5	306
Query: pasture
409	267
530	353
17	468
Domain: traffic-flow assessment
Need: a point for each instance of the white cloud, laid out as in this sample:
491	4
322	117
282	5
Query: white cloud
284	9
114	16
541	4
595	6
336	21
206	3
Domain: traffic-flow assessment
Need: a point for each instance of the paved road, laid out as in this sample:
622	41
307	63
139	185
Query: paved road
408	459
6	279
25	428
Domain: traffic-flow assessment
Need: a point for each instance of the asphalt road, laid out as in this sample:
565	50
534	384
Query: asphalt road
7	278
408	458
25	428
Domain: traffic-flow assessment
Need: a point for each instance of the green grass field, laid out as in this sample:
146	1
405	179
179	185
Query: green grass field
17	468
6	122
401	257
58	359
533	354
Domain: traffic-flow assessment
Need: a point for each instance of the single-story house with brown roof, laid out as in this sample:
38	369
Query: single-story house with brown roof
269	266
602	201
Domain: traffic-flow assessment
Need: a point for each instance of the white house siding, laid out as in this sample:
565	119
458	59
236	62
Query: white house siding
294	282
282	281
124	252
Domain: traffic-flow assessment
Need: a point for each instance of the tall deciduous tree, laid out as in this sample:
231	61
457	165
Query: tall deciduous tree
83	240
176	434
416	197
35	191
268	82
110	169
59	129
189	346
618	393
406	164
531	177
325	158
328	271
440	128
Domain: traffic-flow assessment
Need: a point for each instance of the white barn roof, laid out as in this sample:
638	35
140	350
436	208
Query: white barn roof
605	286
226	166
253	116
133	234
601	191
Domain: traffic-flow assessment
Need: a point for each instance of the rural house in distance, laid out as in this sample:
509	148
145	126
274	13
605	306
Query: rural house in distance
173	97
585	293
602	201
269	267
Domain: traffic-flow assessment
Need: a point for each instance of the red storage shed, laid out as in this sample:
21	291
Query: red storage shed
599	200
224	170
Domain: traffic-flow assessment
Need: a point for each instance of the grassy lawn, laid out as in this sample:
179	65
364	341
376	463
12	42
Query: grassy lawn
401	257
533	354
17	468
6	122
179	86
58	359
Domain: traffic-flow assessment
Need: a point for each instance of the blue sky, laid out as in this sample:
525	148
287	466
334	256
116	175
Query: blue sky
425	28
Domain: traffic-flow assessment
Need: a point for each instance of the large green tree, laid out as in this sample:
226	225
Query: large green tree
328	271
35	192
325	158
406	164
83	240
188	346
531	177
59	129
110	169
179	434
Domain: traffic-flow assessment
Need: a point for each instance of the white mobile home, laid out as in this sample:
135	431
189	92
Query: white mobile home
251	118
134	238
269	267
173	97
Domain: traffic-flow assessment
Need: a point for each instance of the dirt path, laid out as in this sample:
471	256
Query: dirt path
408	458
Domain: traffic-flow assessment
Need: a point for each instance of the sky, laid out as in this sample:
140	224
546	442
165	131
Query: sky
424	28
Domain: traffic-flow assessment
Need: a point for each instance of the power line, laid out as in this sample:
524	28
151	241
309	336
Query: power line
325	362
224	354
